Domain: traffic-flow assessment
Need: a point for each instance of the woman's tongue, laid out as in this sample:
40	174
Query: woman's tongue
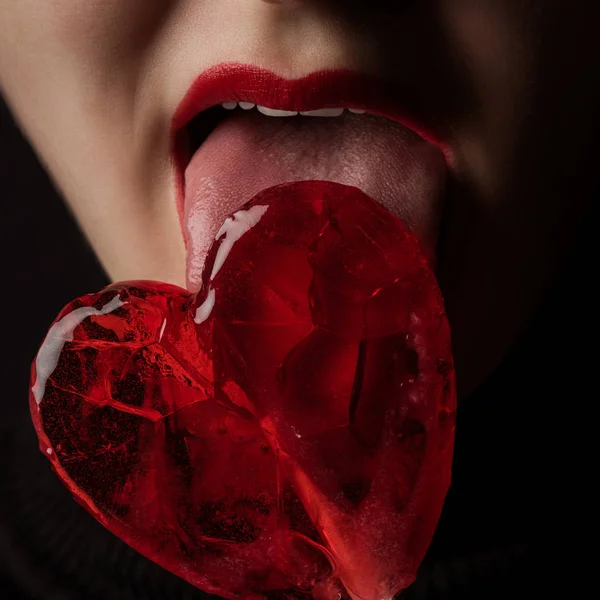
249	152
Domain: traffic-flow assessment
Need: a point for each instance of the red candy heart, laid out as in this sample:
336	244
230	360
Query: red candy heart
285	433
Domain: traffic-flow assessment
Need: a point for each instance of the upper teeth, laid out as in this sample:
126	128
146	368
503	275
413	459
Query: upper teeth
274	112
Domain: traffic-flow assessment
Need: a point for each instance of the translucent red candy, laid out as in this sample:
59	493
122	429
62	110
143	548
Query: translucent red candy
285	433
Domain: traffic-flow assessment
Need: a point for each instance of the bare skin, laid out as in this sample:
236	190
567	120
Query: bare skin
512	84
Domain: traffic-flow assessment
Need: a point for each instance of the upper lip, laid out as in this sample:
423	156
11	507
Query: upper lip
322	89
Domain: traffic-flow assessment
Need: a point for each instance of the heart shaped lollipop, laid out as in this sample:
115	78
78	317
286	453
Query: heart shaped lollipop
288	431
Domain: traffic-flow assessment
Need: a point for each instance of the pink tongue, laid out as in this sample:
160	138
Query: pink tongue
249	152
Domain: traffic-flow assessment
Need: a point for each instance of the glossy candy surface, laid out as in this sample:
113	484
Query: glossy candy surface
285	433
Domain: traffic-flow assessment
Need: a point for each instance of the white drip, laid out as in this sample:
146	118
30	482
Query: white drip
233	229
204	310
61	332
162	329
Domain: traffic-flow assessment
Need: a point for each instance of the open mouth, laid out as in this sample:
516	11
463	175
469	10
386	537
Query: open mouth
241	129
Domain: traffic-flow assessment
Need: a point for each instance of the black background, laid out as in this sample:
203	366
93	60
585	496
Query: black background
517	520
